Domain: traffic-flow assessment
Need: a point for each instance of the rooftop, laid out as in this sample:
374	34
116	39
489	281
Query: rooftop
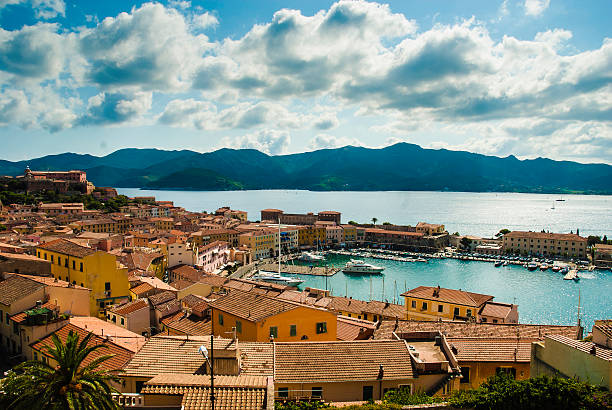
495	309
251	306
15	287
67	247
478	349
585	347
545	235
119	336
458	297
360	360
130	307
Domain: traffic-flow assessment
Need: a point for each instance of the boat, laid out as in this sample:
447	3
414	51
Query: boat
544	266
311	257
360	267
277	278
498	263
505	263
571	275
556	268
532	266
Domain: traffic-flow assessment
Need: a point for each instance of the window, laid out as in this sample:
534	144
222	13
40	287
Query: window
220	319
456	311
292	330
39	254
107	286
368	393
35	355
73	265
7	318
424	306
59	260
440	308
66	263
413	304
468	312
321	327
238	326
81	266
465	373
139	385
511	371
317	392
122	321
484	320
283	392
52	258
273	332
494	320
15	328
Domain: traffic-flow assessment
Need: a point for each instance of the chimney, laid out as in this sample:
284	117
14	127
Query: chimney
437	341
381	372
38	304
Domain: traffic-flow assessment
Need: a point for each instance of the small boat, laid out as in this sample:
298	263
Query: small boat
571	275
498	263
311	257
505	263
544	266
556	268
360	267
532	266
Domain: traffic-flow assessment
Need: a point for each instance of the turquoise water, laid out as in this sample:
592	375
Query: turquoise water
543	297
482	214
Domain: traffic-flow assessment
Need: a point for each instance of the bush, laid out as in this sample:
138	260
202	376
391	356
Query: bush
502	392
300	405
404	397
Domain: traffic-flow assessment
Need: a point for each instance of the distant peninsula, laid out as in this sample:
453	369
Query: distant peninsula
400	167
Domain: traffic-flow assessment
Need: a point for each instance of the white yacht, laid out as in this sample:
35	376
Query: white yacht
311	257
360	267
277	278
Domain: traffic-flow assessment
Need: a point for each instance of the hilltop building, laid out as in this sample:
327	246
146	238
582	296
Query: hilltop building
59	181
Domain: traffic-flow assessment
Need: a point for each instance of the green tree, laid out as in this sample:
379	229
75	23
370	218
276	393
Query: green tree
465	242
374	220
592	240
503	232
72	384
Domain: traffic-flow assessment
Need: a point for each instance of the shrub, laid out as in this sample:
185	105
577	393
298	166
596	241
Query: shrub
404	397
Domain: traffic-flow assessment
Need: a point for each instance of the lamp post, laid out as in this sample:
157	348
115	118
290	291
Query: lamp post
204	352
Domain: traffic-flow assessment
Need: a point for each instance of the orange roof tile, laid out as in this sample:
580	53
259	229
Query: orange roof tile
458	297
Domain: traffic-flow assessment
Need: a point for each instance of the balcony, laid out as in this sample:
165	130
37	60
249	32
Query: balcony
128	400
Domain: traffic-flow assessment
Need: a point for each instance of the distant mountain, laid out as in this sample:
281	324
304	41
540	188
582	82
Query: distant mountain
401	167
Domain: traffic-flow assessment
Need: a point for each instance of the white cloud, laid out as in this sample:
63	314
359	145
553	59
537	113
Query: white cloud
36	108
43	9
536	7
116	108
269	141
205	20
325	141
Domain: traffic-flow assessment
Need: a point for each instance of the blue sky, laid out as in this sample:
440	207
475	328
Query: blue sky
529	78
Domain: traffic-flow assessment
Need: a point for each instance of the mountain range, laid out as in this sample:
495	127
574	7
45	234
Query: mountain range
400	167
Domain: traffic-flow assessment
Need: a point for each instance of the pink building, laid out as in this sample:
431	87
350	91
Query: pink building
334	234
211	257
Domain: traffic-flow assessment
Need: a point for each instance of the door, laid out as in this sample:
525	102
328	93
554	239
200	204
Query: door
368	393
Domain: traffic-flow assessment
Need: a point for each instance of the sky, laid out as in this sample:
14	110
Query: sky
530	78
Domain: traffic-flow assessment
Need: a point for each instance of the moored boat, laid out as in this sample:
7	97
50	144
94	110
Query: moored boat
311	257
275	277
532	266
544	266
498	263
360	267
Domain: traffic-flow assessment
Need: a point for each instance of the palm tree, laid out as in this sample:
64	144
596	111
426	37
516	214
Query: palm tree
374	220
69	385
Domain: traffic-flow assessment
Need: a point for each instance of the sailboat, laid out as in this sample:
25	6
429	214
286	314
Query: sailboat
553	207
276	277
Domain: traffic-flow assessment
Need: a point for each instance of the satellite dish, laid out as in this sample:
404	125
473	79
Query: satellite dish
203	351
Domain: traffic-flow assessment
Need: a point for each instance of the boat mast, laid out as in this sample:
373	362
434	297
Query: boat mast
578	307
279	247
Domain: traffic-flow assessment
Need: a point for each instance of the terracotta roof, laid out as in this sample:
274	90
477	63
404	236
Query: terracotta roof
186	380
168	308
458	297
226	398
142	288
120	358
16	287
545	235
156	283
494	309
604	326
21	256
193	300
186	324
161	298
468	329
478	349
211	245
349	328
180	355
347	305
586	347
309	362
118	335
213	280
139	260
67	247
186	272
393	233
251	306
181	284
51	281
130	307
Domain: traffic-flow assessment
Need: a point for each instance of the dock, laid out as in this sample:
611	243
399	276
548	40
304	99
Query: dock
300	270
571	275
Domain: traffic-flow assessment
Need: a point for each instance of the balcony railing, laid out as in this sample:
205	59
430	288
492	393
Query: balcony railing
129	399
297	395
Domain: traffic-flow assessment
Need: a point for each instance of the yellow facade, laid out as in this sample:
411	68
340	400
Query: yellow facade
99	272
261	243
311	235
165	224
298	324
350	233
425	309
479	372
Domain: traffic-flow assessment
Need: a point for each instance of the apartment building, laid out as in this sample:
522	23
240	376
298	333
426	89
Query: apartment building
546	244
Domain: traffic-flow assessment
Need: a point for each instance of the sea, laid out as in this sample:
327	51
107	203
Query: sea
543	297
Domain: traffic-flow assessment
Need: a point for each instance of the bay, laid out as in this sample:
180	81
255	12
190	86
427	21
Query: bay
481	214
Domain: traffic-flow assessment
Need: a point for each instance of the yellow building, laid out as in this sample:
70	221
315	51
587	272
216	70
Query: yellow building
90	268
350	233
435	303
547	244
261	243
258	318
164	224
312	235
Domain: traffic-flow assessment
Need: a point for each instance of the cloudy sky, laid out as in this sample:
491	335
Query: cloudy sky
530	77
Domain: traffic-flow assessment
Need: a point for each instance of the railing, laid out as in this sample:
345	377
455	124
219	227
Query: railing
297	395
129	399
